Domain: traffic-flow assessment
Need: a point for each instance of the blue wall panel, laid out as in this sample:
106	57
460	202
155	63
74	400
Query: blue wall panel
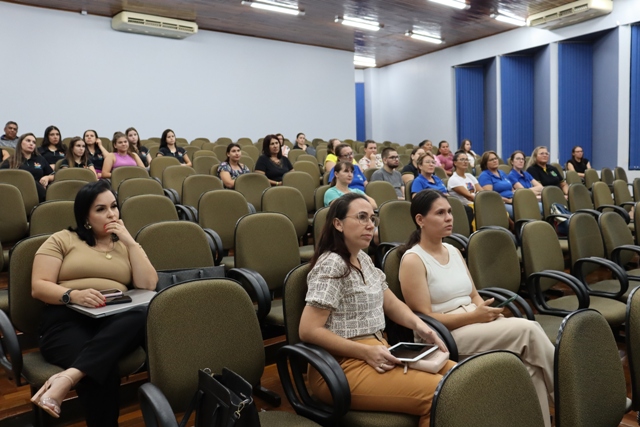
516	79
575	99
490	106
542	98
470	105
361	122
634	130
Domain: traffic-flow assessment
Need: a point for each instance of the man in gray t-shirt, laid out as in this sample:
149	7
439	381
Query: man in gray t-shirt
10	137
389	173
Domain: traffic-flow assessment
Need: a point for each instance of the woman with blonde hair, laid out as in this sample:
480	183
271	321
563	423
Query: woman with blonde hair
77	156
543	171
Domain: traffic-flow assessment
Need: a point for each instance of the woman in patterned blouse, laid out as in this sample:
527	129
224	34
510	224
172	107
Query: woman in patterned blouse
346	301
231	168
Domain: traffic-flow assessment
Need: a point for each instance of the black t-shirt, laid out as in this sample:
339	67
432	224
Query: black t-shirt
51	156
581	166
179	154
97	159
36	166
273	171
410	169
549	177
65	164
143	152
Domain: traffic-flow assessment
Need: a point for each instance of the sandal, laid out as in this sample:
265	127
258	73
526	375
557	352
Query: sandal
50	405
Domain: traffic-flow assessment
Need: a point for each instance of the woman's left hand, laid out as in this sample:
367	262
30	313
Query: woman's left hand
430	337
118	228
44	181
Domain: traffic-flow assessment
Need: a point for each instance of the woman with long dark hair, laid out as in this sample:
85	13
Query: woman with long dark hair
52	148
95	150
77	156
347	300
271	162
26	157
168	147
134	142
231	168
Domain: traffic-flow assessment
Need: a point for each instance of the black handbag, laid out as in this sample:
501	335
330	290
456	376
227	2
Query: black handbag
222	400
168	278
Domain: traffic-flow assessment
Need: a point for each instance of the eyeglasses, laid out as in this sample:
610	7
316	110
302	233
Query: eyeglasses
347	154
541	153
518	158
463	160
364	219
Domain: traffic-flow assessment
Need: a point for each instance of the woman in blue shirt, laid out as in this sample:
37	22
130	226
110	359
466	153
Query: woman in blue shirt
427	179
493	179
344	152
519	177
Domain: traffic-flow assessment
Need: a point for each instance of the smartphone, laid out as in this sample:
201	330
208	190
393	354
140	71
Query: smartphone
110	293
411	352
510	300
122	299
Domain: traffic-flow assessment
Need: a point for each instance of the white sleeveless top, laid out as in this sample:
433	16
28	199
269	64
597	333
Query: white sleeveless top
449	285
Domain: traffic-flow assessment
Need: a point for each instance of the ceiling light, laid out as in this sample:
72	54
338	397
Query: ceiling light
424	37
364	24
453	3
513	20
274	7
363	61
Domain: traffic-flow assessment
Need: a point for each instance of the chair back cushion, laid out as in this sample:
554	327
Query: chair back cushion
175	245
13	218
493	260
51	217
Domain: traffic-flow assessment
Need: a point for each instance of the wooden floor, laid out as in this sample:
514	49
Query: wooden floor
15	407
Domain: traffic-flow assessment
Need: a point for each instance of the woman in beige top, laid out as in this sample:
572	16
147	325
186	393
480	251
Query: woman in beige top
72	267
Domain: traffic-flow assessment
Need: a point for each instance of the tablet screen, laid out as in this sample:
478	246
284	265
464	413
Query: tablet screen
410	352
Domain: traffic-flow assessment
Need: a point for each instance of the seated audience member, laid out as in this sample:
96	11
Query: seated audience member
231	168
465	146
303	144
371	158
427	178
493	179
542	171
283	147
95	150
435	281
4	154
72	267
168	147
52	148
520	178
578	162
77	156
344	153
26	157
134	142
331	159
389	173
10	137
271	162
123	155
346	303
445	157
343	175
462	185
410	171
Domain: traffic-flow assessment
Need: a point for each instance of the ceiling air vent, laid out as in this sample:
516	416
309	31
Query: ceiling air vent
140	23
569	14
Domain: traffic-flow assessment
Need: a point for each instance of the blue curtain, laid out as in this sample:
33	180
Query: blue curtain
516	78
575	99
634	130
361	123
470	106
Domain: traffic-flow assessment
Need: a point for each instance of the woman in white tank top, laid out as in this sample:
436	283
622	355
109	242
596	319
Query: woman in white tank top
435	281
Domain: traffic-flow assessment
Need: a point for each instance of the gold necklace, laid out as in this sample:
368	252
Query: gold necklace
107	254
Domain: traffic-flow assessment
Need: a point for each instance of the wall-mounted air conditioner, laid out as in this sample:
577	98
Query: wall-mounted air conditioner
569	14
140	23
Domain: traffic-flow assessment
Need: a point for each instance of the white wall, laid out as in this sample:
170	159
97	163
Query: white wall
75	72
415	100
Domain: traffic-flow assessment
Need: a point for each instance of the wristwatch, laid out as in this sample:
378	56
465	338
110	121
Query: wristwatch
66	297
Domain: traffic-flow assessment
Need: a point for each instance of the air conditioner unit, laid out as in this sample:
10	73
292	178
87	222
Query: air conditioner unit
569	14
140	23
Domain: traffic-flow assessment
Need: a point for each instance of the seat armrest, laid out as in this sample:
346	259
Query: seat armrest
187	213
517	227
256	287
382	249
618	272
621	211
155	408
9	346
252	209
172	195
502	295
617	252
538	299
593	212
291	361
215	243
443	332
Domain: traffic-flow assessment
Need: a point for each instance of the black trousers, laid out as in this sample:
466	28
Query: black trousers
94	346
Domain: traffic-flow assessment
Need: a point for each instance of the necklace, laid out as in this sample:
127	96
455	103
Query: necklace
107	253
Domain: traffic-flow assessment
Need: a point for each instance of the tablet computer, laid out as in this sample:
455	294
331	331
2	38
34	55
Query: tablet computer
412	352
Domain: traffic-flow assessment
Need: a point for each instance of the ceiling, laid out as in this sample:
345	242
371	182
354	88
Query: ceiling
317	27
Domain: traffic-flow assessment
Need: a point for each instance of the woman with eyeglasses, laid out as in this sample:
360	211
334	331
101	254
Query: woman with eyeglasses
435	281
462	185
520	178
493	179
344	153
342	178
578	162
427	180
542	171
346	303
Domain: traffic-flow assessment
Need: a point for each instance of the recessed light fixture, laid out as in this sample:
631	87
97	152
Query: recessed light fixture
364	61
509	19
453	3
274	7
363	24
423	37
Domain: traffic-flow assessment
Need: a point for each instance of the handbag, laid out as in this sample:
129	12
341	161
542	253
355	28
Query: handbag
168	278
561	224
431	363
222	400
